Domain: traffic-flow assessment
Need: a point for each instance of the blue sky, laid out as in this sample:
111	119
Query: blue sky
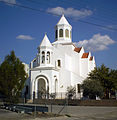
22	29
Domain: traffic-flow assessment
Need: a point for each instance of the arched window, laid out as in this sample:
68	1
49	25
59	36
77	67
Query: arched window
78	88
59	63
61	33
67	33
56	34
27	89
48	57
70	34
38	59
43	57
34	63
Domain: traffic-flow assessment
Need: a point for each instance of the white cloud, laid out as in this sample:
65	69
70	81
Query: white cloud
70	12
24	37
9	1
96	43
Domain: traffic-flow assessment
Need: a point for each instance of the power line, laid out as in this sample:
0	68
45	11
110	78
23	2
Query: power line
102	26
85	3
80	4
102	7
26	7
39	2
40	10
95	18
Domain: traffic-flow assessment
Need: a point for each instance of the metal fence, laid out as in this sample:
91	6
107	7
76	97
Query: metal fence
60	95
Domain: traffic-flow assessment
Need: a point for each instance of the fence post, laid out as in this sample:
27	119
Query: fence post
61	95
66	105
51	107
35	112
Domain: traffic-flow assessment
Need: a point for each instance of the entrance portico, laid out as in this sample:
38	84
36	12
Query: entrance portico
41	87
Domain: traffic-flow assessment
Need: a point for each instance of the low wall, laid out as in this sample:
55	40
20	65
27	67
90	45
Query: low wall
76	102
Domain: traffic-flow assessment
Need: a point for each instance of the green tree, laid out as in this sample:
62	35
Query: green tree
92	88
107	78
12	78
113	77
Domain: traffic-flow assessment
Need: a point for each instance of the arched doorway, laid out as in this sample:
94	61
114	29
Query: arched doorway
41	88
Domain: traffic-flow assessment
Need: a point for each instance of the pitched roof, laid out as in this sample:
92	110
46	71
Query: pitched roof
85	55
63	21
45	41
77	49
91	58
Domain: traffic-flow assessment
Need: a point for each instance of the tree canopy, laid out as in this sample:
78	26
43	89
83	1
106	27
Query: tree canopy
92	88
105	76
12	77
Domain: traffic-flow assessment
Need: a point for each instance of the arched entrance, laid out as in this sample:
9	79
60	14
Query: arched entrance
41	87
41	84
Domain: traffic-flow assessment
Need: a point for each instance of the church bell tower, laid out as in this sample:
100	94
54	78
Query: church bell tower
63	31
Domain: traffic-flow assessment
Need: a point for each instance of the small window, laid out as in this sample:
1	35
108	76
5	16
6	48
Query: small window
27	89
56	34
43	57
67	33
61	33
78	88
70	34
38	59
34	63
59	63
48	57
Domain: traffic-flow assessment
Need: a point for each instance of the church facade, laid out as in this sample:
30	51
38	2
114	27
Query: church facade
59	65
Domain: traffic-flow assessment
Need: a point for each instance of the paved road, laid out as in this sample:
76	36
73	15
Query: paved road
87	112
8	115
82	110
72	112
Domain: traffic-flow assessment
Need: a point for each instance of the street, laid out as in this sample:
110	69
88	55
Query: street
68	113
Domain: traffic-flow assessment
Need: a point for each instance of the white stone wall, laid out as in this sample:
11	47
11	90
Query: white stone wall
73	68
51	75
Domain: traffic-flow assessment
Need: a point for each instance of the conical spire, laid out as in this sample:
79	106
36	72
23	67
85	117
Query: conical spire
63	20
45	41
63	31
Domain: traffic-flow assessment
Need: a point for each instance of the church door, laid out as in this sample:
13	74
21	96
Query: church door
41	88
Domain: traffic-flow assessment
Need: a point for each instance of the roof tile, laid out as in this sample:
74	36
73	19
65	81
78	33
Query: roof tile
77	49
91	58
85	55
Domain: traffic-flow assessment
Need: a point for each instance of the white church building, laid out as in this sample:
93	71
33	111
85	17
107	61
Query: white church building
59	65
